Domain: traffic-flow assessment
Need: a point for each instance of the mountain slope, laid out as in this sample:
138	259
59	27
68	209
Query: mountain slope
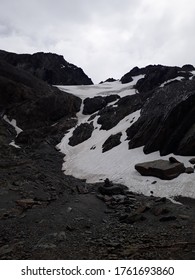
32	102
167	113
48	67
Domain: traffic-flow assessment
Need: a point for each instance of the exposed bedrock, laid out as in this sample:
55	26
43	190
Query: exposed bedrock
167	121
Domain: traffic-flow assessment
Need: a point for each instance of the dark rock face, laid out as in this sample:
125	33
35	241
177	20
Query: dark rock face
81	133
111	142
92	105
162	169
111	116
31	101
155	75
167	121
109	80
188	67
48	67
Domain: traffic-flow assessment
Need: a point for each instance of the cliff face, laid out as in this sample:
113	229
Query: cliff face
49	67
32	102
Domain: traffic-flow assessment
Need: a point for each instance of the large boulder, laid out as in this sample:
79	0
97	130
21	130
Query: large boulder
81	133
110	116
92	105
48	67
111	142
162	169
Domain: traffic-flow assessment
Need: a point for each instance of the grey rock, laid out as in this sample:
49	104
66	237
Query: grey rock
162	169
111	142
81	133
114	190
192	160
189	170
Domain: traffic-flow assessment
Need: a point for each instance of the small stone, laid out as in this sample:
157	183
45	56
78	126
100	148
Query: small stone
113	244
167	218
134	218
26	203
189	170
192	160
70	228
160	211
143	208
69	209
107	183
46	246
184	217
61	236
88	232
6	249
154	182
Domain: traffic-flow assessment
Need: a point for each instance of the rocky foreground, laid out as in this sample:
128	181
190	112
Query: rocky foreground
47	215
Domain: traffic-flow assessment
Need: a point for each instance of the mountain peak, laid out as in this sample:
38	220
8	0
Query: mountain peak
50	67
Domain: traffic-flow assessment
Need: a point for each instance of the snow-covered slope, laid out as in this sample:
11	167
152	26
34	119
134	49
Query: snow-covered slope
87	161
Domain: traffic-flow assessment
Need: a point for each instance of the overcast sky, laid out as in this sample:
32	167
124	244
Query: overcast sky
105	37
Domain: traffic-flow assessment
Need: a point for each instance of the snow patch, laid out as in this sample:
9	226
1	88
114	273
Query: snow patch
179	78
14	145
13	123
86	160
17	129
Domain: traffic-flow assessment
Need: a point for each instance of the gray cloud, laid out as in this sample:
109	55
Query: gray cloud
105	38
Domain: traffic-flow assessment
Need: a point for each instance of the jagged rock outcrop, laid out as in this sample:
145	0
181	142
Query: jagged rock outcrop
48	67
167	121
162	169
81	133
32	102
109	80
111	142
155	75
111	116
92	105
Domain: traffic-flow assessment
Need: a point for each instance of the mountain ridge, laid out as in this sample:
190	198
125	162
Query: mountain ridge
49	67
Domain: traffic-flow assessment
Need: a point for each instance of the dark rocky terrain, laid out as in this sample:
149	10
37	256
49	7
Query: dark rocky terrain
48	67
45	214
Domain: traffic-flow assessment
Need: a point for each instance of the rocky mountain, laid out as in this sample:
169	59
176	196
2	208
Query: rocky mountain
48	67
153	112
166	97
101	131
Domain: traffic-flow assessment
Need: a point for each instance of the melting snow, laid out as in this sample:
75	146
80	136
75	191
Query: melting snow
13	123
86	160
17	129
